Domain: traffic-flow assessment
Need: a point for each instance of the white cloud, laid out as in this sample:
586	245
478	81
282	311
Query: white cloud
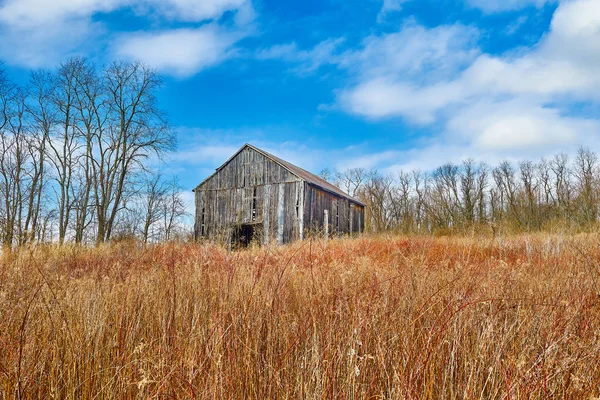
47	44
414	76
414	51
181	52
194	10
519	126
404	73
486	6
381	98
522	104
494	6
32	13
307	60
35	12
390	6
566	62
40	33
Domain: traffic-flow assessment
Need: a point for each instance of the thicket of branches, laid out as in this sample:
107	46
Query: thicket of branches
75	145
555	193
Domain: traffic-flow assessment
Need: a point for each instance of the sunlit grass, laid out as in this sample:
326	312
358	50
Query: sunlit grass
382	318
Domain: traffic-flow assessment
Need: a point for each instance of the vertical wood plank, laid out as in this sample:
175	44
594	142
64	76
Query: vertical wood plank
280	214
300	209
266	207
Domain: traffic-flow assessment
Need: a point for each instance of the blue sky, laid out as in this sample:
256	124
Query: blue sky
386	84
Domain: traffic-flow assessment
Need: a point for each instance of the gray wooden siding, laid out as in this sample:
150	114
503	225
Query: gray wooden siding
248	168
345	216
250	189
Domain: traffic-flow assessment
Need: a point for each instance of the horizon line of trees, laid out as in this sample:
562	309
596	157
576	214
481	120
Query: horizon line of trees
77	145
521	196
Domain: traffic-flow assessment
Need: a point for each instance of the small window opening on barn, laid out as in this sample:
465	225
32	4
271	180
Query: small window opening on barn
254	205
298	208
202	224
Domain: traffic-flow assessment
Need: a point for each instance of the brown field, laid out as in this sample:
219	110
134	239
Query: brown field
369	318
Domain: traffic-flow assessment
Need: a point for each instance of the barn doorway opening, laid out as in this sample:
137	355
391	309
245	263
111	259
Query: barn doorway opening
244	234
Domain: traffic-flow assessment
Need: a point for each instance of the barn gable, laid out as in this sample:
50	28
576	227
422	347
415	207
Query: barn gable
249	166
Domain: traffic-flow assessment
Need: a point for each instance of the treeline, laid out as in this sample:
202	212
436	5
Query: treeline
76	145
511	197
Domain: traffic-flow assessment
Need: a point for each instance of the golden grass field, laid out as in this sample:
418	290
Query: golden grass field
382	317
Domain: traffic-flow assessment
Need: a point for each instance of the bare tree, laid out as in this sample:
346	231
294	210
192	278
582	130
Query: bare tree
376	193
173	210
545	181
153	199
137	129
353	179
92	114
445	207
330	176
508	190
530	197
586	172
43	117
64	146
13	161
402	203
421	184
562	184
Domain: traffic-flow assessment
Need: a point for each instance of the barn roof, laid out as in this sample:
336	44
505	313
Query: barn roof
294	169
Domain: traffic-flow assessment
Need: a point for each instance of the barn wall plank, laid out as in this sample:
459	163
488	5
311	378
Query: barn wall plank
280	213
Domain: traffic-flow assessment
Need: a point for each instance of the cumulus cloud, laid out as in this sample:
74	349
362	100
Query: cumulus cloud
35	12
405	73
47	44
38	33
502	103
519	125
383	98
414	51
565	62
489	107
181	52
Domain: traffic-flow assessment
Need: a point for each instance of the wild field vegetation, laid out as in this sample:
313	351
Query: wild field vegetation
374	317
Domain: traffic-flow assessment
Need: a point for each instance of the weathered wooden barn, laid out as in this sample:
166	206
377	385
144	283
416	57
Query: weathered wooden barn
257	196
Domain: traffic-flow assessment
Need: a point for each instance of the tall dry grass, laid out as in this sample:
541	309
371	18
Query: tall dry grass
370	318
